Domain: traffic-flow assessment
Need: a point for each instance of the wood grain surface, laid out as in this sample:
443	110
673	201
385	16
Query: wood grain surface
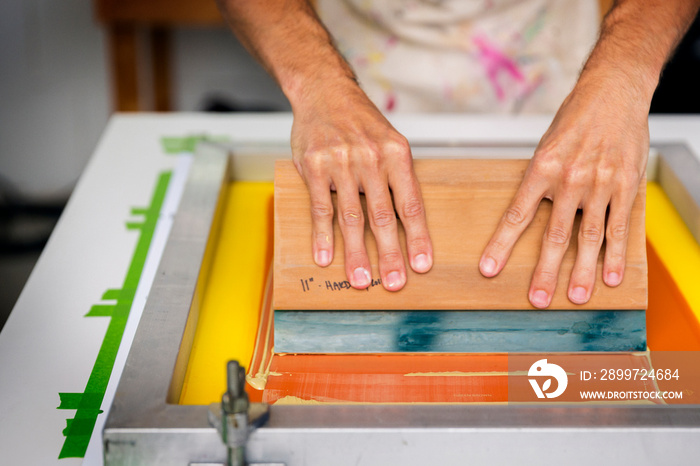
464	200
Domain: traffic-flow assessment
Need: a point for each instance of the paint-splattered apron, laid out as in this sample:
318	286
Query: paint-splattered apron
476	56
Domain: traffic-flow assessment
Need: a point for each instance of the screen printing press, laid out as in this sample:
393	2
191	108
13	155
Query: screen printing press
198	356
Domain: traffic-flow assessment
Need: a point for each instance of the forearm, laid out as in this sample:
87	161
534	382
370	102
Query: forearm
637	38
289	40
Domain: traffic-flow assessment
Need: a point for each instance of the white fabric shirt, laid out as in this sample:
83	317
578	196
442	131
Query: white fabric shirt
480	56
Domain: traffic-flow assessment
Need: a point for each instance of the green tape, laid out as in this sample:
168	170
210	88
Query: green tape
70	400
134	226
111	294
101	310
79	429
178	145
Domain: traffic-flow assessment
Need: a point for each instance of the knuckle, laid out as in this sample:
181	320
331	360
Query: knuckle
412	209
355	257
587	272
397	146
514	216
557	235
419	243
321	211
323	153
546	161
372	158
341	155
590	234
618	231
614	257
498	245
323	238
314	163
352	217
546	151
629	180
605	173
546	276
573	178
383	217
392	257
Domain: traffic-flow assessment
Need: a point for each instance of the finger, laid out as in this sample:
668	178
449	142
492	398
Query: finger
321	221
590	239
616	234
411	210
352	227
382	221
554	244
514	221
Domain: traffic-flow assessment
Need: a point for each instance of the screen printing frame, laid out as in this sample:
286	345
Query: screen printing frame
146	425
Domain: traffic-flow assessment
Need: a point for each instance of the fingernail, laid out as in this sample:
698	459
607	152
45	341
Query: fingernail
540	298
421	263
579	295
394	280
361	278
613	279
323	258
488	266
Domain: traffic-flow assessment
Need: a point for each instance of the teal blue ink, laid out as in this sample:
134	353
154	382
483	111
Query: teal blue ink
459	331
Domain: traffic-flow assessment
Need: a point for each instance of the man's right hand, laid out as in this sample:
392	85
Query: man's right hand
340	142
345	144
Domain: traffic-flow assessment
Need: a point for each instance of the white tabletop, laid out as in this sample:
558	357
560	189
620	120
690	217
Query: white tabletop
48	346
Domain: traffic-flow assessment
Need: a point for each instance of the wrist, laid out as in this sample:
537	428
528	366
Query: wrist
336	91
633	49
634	85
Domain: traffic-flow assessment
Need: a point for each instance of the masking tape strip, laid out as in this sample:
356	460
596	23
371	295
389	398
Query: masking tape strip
88	403
173	145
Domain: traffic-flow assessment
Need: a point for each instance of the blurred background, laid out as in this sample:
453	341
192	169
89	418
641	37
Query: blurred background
66	65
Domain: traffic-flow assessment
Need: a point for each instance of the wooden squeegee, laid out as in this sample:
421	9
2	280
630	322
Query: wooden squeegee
464	200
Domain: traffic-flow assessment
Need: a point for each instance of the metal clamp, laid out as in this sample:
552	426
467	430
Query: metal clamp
236	417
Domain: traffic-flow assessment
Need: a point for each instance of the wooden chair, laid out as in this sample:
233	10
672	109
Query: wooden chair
138	29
